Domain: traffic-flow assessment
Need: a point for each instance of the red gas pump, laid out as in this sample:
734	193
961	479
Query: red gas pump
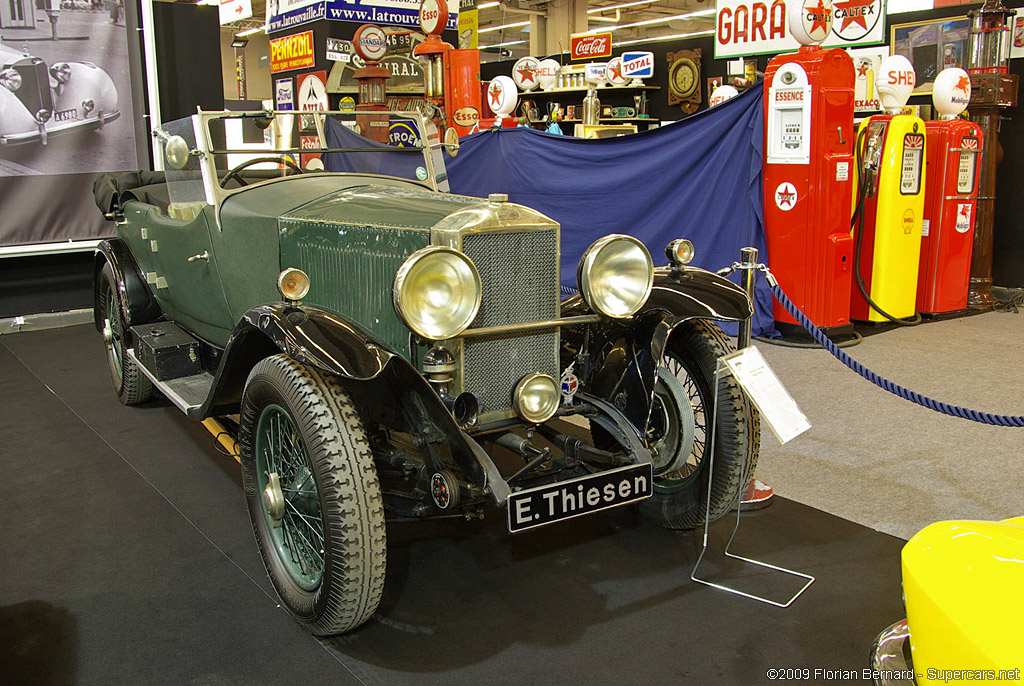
951	198
452	77
370	43
808	113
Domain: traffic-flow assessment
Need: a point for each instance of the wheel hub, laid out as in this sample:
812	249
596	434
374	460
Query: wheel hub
273	498
108	333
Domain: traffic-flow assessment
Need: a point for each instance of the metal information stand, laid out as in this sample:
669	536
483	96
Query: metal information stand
748	265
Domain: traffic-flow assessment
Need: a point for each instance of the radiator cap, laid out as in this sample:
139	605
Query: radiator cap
497	197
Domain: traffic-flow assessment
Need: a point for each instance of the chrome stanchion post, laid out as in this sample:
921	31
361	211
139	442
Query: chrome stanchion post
748	266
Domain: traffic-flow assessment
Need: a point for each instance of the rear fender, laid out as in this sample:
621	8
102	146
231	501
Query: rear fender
138	306
384	385
627	354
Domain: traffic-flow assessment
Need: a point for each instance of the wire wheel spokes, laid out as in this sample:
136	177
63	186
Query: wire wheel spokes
114	334
700	421
285	473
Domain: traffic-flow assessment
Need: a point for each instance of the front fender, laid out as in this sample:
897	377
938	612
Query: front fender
138	306
385	385
628	353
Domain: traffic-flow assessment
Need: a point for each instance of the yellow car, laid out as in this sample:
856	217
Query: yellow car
963	586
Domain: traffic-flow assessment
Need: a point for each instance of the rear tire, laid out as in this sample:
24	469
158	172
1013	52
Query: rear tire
680	497
130	384
313	495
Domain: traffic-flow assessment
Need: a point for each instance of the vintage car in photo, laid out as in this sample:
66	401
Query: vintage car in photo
387	351
962	585
39	100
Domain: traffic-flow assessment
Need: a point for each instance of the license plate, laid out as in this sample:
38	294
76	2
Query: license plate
555	502
66	115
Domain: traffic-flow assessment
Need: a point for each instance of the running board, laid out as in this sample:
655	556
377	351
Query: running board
187	393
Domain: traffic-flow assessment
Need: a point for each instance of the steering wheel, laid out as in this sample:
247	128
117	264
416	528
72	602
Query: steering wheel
238	168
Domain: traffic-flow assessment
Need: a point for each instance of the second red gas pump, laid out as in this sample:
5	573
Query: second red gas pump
808	113
947	235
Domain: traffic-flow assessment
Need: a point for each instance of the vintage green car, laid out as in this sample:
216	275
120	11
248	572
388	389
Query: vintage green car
386	351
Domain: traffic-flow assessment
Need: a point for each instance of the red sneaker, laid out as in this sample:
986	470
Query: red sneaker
758	495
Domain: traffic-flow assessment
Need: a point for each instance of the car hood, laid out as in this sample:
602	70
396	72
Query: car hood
380	205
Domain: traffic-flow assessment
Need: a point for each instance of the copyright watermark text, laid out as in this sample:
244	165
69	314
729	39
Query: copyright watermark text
943	675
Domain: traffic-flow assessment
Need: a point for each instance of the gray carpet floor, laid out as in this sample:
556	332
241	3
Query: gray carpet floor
886	463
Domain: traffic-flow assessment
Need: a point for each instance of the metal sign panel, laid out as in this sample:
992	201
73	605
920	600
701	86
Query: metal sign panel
234	10
757	27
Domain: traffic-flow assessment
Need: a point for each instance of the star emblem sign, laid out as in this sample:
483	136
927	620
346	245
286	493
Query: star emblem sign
527	75
854	12
495	95
819	19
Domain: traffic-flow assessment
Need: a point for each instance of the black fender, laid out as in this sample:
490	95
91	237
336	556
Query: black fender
138	306
384	385
625	355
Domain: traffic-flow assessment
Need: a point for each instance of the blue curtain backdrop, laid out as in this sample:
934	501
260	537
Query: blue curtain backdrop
698	178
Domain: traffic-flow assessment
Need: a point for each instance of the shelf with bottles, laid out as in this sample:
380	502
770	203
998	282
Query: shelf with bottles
583	89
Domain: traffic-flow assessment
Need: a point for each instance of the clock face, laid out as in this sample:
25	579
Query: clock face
683	77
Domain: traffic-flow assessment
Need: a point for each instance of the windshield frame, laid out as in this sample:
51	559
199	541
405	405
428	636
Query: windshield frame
432	151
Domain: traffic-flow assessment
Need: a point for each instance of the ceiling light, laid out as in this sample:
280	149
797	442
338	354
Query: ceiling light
648	22
505	44
208	2
249	32
504	26
609	8
674	36
485	5
239	42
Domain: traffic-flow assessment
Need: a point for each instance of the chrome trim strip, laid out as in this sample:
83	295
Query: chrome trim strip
531	326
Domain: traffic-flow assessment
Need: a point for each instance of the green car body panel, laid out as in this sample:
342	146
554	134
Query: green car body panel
350	240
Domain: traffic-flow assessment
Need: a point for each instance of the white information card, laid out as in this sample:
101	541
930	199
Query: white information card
773	401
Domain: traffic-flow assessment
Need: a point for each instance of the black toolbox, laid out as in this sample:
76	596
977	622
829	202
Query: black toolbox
165	350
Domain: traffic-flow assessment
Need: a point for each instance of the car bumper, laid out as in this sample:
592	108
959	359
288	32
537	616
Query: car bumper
53	129
888	662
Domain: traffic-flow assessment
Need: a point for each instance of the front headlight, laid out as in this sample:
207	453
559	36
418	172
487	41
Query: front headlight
437	292
615	276
61	72
10	79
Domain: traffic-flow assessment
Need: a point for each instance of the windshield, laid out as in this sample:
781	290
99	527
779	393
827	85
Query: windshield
249	147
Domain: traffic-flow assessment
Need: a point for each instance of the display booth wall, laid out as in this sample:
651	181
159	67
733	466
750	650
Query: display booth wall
699	178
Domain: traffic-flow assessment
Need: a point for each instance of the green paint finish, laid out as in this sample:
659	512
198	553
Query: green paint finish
351	271
190	293
383	206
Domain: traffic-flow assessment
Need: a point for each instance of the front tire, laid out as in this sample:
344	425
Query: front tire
681	488
130	384
313	495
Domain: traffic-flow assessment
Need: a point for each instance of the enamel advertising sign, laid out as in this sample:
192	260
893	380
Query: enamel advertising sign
756	27
591	46
291	52
283	14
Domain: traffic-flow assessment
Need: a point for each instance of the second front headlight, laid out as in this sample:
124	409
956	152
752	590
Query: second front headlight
437	292
615	275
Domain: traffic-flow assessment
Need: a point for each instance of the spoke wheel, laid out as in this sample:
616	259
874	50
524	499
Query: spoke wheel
313	495
673	425
680	497
289	498
129	383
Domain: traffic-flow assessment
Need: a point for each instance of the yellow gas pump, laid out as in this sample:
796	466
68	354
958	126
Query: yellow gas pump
888	202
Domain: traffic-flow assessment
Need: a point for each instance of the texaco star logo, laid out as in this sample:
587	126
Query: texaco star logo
495	92
862	69
785	196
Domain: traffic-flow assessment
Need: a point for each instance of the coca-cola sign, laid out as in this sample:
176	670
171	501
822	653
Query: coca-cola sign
588	46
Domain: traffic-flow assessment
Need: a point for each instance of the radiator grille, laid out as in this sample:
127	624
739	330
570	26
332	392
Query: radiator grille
35	86
519	272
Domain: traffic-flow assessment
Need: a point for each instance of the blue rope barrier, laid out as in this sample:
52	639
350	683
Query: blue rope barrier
882	382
